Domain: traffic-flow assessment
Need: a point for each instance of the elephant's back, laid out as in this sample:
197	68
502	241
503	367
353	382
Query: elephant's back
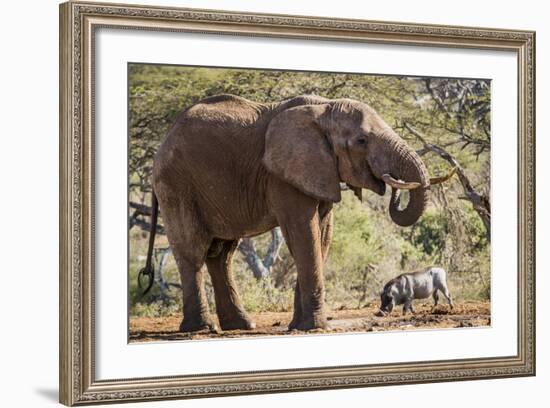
212	158
224	111
216	128
215	145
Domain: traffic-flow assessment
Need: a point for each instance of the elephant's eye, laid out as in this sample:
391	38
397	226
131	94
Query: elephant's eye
362	141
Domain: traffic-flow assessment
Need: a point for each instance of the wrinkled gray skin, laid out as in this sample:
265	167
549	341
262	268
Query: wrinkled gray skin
403	289
231	168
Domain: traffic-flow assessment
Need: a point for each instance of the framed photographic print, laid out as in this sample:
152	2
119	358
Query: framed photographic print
256	203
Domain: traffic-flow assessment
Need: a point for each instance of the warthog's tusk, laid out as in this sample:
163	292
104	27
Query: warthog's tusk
400	184
439	180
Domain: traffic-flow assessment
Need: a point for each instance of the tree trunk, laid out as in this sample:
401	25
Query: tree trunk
261	268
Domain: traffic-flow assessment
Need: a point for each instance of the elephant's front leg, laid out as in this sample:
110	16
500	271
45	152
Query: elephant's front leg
303	236
325	224
297	315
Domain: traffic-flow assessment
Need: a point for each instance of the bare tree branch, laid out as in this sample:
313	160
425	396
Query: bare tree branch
274	248
248	249
262	268
144	225
480	202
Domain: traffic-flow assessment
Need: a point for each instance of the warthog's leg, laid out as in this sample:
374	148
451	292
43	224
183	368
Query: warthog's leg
448	297
441	284
408	306
435	295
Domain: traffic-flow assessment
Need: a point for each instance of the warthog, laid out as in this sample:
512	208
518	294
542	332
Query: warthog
415	285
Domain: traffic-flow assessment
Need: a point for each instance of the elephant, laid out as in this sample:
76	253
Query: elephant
231	168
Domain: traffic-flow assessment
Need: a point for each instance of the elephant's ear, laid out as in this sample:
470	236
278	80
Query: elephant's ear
298	151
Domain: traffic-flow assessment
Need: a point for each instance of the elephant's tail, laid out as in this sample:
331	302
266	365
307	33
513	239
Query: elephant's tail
149	269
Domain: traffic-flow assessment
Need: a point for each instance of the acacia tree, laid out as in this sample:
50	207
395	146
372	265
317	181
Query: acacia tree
460	110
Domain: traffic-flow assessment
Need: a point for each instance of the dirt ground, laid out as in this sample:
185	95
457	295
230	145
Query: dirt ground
467	314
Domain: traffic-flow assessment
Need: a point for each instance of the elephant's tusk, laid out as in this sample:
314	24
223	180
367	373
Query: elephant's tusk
399	184
439	180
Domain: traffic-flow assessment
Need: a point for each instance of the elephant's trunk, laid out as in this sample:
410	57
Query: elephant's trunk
409	167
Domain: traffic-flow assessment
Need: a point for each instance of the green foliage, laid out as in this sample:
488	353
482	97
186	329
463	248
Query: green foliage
367	249
430	232
475	230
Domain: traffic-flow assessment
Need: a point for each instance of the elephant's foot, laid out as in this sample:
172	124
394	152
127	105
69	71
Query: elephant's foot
205	324
313	323
293	325
240	322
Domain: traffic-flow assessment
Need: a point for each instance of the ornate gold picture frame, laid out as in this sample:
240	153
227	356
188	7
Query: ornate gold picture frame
79	22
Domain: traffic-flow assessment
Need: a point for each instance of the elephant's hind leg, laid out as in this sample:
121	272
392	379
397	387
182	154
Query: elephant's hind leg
196	315
229	308
189	243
